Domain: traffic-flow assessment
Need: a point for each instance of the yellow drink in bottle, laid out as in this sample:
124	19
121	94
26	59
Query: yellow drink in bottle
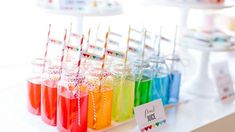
123	98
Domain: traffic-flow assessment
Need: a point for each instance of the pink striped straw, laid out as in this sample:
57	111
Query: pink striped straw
45	54
77	81
79	61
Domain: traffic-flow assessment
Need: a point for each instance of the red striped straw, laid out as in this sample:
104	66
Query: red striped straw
88	41
62	56
70	34
80	54
45	54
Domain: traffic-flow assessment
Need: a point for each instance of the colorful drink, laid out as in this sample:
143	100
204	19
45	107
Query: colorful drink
142	90
71	117
160	88
123	98
175	87
100	108
34	95
49	102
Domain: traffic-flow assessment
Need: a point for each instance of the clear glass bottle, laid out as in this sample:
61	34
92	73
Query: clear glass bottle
72	102
143	78
161	80
34	86
176	70
123	92
100	89
50	78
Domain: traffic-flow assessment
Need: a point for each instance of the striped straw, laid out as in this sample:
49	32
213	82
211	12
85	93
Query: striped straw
62	56
127	46
70	32
80	52
77	81
143	45
174	42
105	47
46	50
159	42
88	42
88	38
104	57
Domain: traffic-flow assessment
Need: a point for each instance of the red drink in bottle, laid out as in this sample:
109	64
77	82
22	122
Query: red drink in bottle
34	86
49	102
34	95
72	111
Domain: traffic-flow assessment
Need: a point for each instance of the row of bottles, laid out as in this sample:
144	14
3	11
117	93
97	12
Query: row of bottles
76	95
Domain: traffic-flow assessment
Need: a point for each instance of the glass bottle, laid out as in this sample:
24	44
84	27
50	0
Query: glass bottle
34	87
176	76
143	80
161	80
50	78
100	89
72	102
123	92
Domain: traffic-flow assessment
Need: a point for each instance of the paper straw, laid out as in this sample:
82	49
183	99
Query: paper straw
127	46
79	59
174	46
96	36
77	81
104	57
143	45
46	50
105	47
159	42
88	42
70	34
142	58
62	56
88	39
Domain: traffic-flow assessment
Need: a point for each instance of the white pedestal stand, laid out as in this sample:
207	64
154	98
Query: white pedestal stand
80	14
201	84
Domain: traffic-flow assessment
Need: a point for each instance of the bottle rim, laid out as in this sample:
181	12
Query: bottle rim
40	62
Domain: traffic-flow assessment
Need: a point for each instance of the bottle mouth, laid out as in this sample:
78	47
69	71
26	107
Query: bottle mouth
157	60
173	58
38	62
141	64
101	73
121	68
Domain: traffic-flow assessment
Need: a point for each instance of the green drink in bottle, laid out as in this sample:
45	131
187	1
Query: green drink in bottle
142	83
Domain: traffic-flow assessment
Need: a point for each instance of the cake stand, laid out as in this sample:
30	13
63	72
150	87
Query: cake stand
202	85
186	6
81	13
